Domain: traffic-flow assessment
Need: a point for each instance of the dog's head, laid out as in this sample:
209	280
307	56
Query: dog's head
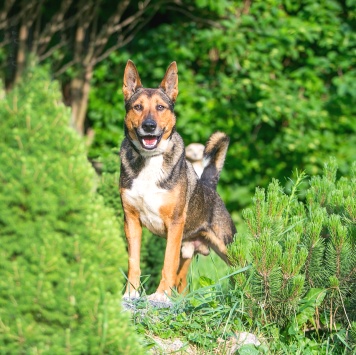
150	119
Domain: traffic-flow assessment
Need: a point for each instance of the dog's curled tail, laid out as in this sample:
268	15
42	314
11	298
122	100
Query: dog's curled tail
214	157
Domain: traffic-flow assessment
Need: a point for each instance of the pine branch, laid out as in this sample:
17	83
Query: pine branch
300	178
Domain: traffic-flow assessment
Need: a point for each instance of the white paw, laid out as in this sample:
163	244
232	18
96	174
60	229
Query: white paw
131	295
159	297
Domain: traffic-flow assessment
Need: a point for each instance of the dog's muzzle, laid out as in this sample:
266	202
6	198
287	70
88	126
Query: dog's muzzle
148	134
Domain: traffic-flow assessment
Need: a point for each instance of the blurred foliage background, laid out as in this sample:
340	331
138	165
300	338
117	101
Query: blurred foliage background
277	76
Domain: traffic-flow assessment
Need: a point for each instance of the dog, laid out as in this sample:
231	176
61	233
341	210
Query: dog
161	191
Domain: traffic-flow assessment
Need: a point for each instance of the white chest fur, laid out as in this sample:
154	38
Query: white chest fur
147	197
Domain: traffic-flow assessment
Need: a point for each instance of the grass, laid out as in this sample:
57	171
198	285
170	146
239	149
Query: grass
207	319
211	267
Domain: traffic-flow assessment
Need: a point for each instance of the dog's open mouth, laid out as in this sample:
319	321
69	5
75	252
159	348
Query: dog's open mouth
149	141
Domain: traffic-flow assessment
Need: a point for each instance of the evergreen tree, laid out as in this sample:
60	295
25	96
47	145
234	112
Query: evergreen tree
61	250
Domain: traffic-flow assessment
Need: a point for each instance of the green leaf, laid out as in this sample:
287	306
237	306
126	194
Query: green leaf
206	281
309	303
248	350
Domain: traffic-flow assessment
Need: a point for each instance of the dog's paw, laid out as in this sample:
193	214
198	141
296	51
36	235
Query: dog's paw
160	300
130	296
159	297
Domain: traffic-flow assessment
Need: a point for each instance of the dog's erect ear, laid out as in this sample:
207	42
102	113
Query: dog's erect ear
131	80
170	82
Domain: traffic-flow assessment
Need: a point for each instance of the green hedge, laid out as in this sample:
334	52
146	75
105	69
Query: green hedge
61	250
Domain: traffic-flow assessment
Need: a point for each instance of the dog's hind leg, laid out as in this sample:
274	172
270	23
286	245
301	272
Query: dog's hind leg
217	245
181	279
221	250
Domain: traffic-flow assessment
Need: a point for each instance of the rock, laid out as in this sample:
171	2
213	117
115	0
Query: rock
171	346
138	304
160	304
237	341
194	153
166	346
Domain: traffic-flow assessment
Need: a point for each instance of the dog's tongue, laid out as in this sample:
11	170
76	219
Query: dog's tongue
149	141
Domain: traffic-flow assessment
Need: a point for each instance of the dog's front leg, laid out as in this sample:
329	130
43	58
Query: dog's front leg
133	231
171	262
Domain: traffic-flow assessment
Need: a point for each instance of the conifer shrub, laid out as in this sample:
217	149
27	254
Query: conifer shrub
300	256
61	250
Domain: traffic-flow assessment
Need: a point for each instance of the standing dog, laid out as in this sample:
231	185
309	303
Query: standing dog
160	189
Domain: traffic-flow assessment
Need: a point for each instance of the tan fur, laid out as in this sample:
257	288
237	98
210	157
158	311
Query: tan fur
164	119
133	230
181	279
170	82
131	80
220	154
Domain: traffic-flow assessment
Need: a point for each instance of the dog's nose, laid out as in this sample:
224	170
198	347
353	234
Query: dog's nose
149	125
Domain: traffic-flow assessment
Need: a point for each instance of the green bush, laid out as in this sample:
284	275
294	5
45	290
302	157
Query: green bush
300	257
61	251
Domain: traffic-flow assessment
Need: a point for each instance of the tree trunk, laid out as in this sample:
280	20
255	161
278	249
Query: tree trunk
21	52
80	87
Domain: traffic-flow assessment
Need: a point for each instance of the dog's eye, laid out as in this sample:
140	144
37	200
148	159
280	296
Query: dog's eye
160	108
138	107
